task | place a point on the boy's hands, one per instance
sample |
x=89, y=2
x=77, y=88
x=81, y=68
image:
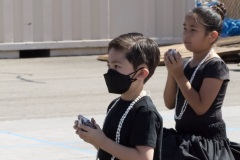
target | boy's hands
x=90, y=135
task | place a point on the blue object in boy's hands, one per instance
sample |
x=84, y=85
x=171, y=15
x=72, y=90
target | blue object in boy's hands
x=86, y=122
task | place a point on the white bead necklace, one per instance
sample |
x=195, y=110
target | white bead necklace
x=118, y=132
x=191, y=80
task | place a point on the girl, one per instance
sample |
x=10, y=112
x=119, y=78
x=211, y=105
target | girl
x=196, y=89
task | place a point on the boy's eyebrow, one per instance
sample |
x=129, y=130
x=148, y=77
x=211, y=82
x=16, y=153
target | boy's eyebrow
x=115, y=61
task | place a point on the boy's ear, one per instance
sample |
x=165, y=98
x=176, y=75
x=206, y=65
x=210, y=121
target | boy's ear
x=143, y=73
x=213, y=36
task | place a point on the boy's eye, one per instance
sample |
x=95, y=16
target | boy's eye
x=112, y=66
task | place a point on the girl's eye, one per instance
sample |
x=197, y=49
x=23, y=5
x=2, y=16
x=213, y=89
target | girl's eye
x=193, y=30
x=184, y=29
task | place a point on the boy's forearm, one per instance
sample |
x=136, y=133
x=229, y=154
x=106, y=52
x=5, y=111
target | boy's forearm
x=122, y=152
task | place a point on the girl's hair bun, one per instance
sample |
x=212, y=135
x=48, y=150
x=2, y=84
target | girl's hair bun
x=220, y=9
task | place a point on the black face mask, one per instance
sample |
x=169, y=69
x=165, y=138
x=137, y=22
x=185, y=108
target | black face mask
x=118, y=83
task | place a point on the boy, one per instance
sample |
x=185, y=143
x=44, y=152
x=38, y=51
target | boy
x=133, y=127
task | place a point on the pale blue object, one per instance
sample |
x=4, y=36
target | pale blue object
x=231, y=27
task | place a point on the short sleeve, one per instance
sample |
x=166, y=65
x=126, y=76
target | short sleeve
x=145, y=128
x=217, y=69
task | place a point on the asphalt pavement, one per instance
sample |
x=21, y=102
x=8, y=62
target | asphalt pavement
x=41, y=98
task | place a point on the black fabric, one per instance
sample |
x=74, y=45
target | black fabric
x=215, y=131
x=214, y=68
x=201, y=137
x=191, y=147
x=142, y=126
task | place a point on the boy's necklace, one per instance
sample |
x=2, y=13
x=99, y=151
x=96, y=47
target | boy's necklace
x=183, y=108
x=118, y=134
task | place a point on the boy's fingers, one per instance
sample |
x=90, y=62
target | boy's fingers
x=76, y=122
x=77, y=132
x=83, y=127
x=75, y=127
x=97, y=126
x=93, y=121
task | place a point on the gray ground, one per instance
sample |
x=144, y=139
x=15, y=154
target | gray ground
x=41, y=97
x=64, y=86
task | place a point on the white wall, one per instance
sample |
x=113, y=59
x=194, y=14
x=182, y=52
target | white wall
x=71, y=25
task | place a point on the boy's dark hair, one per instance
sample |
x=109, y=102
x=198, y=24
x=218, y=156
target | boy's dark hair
x=139, y=50
x=212, y=17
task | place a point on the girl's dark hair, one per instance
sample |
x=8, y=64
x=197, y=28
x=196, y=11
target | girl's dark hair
x=139, y=50
x=211, y=17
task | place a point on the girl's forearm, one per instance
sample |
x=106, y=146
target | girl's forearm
x=169, y=94
x=190, y=94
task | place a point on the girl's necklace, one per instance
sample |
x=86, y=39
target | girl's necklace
x=183, y=108
x=118, y=132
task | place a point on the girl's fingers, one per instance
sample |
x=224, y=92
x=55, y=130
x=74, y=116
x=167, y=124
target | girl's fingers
x=172, y=59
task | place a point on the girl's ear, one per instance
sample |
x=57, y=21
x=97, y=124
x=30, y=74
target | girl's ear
x=213, y=36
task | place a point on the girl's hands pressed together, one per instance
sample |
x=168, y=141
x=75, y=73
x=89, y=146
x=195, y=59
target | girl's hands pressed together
x=174, y=63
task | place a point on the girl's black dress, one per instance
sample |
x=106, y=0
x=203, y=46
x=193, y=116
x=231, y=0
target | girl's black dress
x=142, y=126
x=201, y=137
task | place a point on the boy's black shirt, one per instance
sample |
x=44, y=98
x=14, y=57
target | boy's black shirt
x=142, y=126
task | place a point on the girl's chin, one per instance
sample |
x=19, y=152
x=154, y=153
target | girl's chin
x=187, y=46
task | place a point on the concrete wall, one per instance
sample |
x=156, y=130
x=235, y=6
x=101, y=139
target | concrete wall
x=74, y=27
